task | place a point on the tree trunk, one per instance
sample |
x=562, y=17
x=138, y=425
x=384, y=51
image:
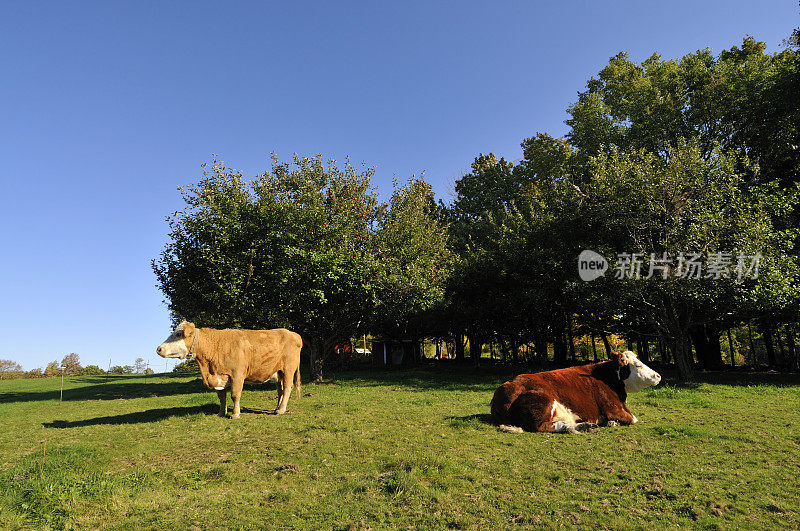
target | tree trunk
x=732, y=354
x=559, y=348
x=663, y=352
x=681, y=351
x=459, y=347
x=513, y=342
x=606, y=344
x=316, y=358
x=570, y=338
x=644, y=350
x=475, y=348
x=771, y=360
x=706, y=343
x=700, y=341
x=594, y=348
x=540, y=345
x=752, y=348
x=782, y=358
x=791, y=347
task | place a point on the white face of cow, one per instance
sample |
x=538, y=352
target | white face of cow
x=178, y=343
x=641, y=376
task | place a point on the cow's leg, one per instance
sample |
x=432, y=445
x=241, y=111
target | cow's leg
x=223, y=402
x=279, y=385
x=237, y=384
x=620, y=415
x=286, y=379
x=533, y=411
x=541, y=412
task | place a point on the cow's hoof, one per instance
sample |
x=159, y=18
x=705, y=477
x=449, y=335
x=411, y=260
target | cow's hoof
x=612, y=423
x=221, y=414
x=279, y=412
x=235, y=416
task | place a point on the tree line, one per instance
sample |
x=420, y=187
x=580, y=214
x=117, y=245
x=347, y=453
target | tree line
x=70, y=366
x=682, y=175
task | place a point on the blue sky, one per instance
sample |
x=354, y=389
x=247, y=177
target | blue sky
x=108, y=106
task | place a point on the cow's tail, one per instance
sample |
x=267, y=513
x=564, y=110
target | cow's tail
x=297, y=381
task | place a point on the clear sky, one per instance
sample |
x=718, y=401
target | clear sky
x=106, y=107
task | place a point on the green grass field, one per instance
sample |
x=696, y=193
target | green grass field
x=410, y=449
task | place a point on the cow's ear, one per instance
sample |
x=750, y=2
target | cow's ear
x=188, y=329
x=618, y=357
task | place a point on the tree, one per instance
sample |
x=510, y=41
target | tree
x=71, y=364
x=684, y=202
x=478, y=282
x=52, y=369
x=414, y=262
x=92, y=370
x=139, y=366
x=187, y=367
x=34, y=373
x=516, y=248
x=9, y=369
x=121, y=369
x=301, y=246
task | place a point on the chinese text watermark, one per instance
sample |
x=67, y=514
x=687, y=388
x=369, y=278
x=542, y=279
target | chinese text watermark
x=592, y=265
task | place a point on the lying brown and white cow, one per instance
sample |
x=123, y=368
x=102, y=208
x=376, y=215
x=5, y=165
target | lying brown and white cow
x=237, y=356
x=572, y=399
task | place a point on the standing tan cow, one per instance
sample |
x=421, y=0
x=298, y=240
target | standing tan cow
x=237, y=356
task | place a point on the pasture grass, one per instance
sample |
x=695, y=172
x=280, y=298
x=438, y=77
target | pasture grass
x=406, y=448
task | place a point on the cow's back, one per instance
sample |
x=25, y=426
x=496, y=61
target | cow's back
x=573, y=387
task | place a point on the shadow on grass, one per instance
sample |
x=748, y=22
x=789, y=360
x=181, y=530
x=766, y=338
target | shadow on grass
x=138, y=417
x=153, y=415
x=110, y=388
x=454, y=377
x=426, y=378
x=432, y=376
x=478, y=418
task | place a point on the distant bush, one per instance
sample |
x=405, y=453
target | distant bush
x=149, y=371
x=187, y=367
x=121, y=369
x=52, y=369
x=91, y=370
x=10, y=369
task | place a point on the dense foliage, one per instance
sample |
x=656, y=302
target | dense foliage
x=697, y=155
x=306, y=245
x=663, y=159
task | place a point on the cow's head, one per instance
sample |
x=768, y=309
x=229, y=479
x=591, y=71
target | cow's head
x=179, y=342
x=635, y=374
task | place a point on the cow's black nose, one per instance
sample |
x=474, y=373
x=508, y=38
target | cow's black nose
x=158, y=351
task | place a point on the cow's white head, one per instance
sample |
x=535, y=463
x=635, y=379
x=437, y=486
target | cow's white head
x=179, y=342
x=635, y=374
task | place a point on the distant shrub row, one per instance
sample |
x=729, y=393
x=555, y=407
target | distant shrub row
x=69, y=366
